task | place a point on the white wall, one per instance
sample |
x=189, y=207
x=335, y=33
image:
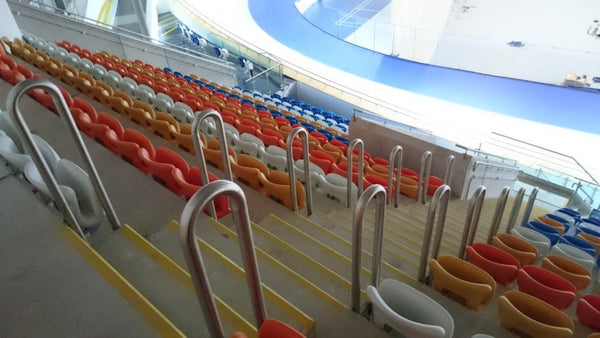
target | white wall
x=9, y=26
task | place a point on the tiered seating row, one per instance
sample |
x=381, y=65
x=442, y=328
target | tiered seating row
x=165, y=166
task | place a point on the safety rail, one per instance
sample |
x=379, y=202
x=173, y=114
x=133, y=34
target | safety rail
x=449, y=172
x=14, y=96
x=292, y=173
x=493, y=165
x=376, y=192
x=529, y=206
x=198, y=118
x=478, y=152
x=193, y=257
x=514, y=211
x=498, y=212
x=361, y=158
x=395, y=163
x=471, y=220
x=440, y=200
x=424, y=171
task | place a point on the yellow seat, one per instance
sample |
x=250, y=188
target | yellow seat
x=67, y=74
x=529, y=315
x=183, y=139
x=84, y=83
x=277, y=186
x=52, y=66
x=164, y=125
x=212, y=153
x=462, y=281
x=523, y=251
x=247, y=169
x=101, y=92
x=119, y=102
x=141, y=113
x=553, y=223
x=569, y=270
x=593, y=240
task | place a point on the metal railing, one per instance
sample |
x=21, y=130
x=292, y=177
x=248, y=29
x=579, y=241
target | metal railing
x=424, y=171
x=292, y=173
x=471, y=220
x=449, y=172
x=191, y=251
x=529, y=206
x=440, y=200
x=198, y=118
x=14, y=97
x=395, y=164
x=493, y=165
x=376, y=192
x=514, y=211
x=361, y=158
x=479, y=153
x=498, y=212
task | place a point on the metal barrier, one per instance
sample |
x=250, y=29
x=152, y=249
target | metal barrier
x=514, y=212
x=529, y=206
x=424, y=172
x=191, y=251
x=471, y=220
x=395, y=164
x=498, y=212
x=449, y=170
x=440, y=199
x=198, y=118
x=361, y=157
x=14, y=96
x=376, y=192
x=292, y=173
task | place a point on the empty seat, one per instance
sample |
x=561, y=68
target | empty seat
x=165, y=126
x=500, y=265
x=547, y=286
x=523, y=251
x=578, y=275
x=12, y=154
x=532, y=316
x=136, y=149
x=277, y=186
x=107, y=131
x=541, y=242
x=274, y=157
x=249, y=144
x=408, y=311
x=315, y=172
x=588, y=311
x=335, y=187
x=246, y=170
x=575, y=254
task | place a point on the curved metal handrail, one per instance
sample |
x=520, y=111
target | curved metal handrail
x=498, y=212
x=361, y=157
x=424, y=171
x=395, y=163
x=449, y=170
x=514, y=211
x=14, y=96
x=191, y=251
x=292, y=173
x=471, y=220
x=377, y=192
x=198, y=118
x=529, y=206
x=440, y=199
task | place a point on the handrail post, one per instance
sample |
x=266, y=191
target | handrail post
x=292, y=173
x=14, y=96
x=472, y=220
x=395, y=163
x=378, y=193
x=191, y=251
x=529, y=206
x=424, y=172
x=514, y=211
x=361, y=157
x=497, y=218
x=440, y=199
x=449, y=173
x=198, y=118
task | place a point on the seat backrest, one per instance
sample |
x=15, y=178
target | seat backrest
x=9, y=129
x=138, y=138
x=12, y=154
x=48, y=153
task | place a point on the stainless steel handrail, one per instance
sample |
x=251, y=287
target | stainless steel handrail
x=292, y=173
x=472, y=220
x=191, y=251
x=529, y=206
x=440, y=199
x=14, y=96
x=198, y=118
x=477, y=152
x=361, y=158
x=395, y=164
x=424, y=171
x=449, y=173
x=498, y=212
x=377, y=192
x=514, y=211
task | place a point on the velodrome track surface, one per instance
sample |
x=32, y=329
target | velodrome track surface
x=555, y=105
